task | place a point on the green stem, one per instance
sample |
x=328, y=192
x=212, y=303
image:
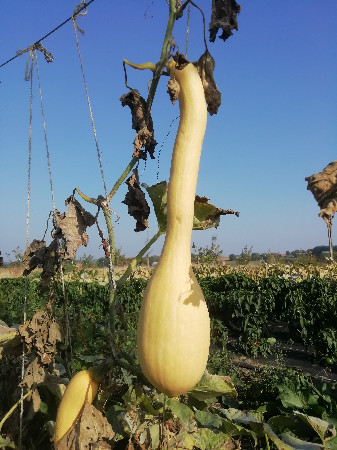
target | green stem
x=164, y=54
x=13, y=408
x=137, y=258
x=122, y=178
x=112, y=283
x=85, y=197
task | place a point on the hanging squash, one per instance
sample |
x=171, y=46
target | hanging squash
x=174, y=326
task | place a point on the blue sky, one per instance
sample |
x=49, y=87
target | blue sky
x=277, y=123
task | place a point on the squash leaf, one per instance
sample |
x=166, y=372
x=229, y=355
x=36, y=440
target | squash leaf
x=325, y=430
x=206, y=439
x=206, y=215
x=294, y=443
x=6, y=444
x=212, y=386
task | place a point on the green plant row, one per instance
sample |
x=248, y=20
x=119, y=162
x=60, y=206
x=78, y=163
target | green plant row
x=245, y=307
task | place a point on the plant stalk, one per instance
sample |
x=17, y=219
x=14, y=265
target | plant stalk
x=137, y=258
x=13, y=408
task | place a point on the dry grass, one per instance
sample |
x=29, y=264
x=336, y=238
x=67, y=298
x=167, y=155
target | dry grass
x=99, y=275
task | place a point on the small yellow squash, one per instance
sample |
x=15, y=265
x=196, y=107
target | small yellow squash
x=81, y=389
x=174, y=328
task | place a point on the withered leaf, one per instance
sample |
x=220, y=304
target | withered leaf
x=142, y=123
x=34, y=256
x=38, y=254
x=173, y=90
x=323, y=186
x=89, y=431
x=205, y=66
x=135, y=199
x=35, y=374
x=72, y=227
x=41, y=334
x=36, y=399
x=224, y=16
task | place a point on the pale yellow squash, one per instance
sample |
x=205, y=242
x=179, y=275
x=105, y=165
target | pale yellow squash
x=82, y=388
x=174, y=327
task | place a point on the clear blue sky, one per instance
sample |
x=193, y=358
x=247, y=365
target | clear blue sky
x=277, y=123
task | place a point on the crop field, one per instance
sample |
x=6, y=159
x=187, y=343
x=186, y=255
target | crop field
x=255, y=312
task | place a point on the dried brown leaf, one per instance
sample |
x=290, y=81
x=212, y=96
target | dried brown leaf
x=224, y=16
x=72, y=227
x=89, y=432
x=35, y=374
x=323, y=186
x=41, y=334
x=173, y=89
x=142, y=123
x=34, y=256
x=37, y=254
x=36, y=399
x=135, y=199
x=205, y=66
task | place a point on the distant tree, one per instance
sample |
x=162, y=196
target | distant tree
x=233, y=257
x=102, y=262
x=246, y=255
x=207, y=255
x=18, y=255
x=256, y=256
x=87, y=261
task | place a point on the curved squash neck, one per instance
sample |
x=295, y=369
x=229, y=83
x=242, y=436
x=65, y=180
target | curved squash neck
x=185, y=163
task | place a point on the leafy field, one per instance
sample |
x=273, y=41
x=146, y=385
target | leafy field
x=270, y=407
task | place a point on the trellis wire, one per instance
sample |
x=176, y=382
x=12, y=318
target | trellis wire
x=27, y=242
x=90, y=110
x=85, y=5
x=67, y=336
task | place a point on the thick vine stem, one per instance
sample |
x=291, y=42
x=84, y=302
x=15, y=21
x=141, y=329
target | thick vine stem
x=137, y=258
x=164, y=54
x=14, y=407
x=122, y=178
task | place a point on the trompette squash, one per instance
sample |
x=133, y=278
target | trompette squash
x=82, y=388
x=174, y=327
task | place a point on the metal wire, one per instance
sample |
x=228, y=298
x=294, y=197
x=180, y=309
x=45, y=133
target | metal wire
x=90, y=110
x=50, y=32
x=27, y=242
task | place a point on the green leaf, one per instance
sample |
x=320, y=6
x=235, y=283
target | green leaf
x=158, y=195
x=207, y=439
x=291, y=399
x=273, y=437
x=154, y=431
x=281, y=423
x=179, y=410
x=213, y=386
x=206, y=215
x=298, y=444
x=208, y=419
x=6, y=444
x=325, y=430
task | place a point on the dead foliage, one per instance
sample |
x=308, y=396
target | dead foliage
x=224, y=17
x=135, y=199
x=323, y=186
x=89, y=432
x=205, y=66
x=142, y=123
x=70, y=229
x=41, y=335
